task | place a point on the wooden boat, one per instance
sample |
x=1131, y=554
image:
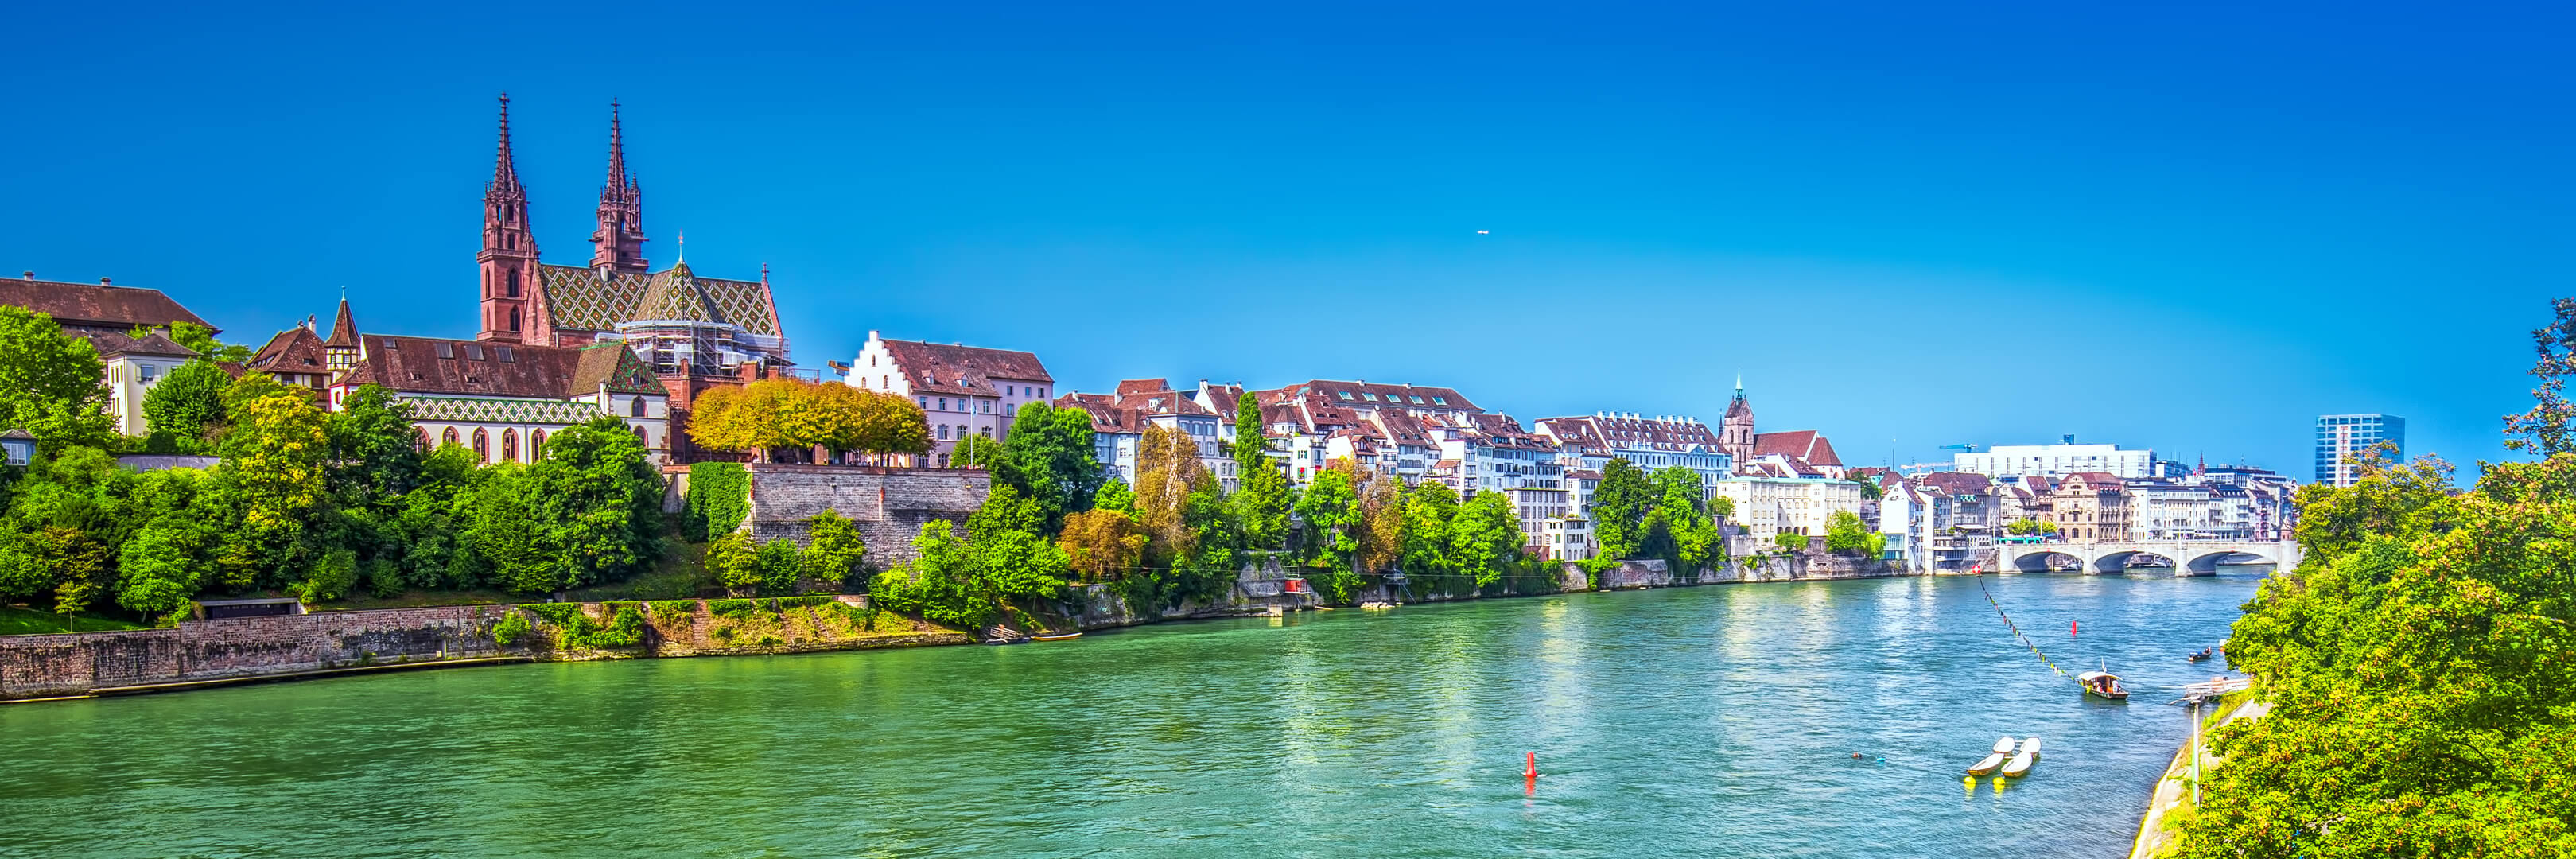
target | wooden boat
x=2102, y=684
x=2003, y=752
x=1373, y=604
x=2022, y=761
x=2196, y=657
x=1059, y=636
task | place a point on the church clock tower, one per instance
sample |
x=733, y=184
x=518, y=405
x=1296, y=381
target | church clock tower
x=1735, y=432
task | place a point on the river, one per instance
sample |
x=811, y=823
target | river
x=1710, y=721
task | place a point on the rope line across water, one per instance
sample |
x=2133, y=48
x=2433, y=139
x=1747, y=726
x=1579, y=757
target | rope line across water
x=2016, y=630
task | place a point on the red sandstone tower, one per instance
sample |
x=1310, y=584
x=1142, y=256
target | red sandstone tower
x=620, y=238
x=509, y=255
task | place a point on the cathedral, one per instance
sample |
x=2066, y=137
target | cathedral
x=694, y=332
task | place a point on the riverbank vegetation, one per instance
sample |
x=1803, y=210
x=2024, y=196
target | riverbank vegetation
x=2421, y=662
x=307, y=502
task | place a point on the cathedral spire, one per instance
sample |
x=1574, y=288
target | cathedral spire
x=509, y=255
x=619, y=241
x=505, y=169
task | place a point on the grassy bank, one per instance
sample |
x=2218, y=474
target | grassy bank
x=15, y=620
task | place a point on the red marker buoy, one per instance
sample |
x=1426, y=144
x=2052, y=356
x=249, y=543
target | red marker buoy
x=2070, y=627
x=1532, y=771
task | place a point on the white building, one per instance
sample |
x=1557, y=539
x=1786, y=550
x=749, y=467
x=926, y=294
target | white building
x=133, y=368
x=106, y=313
x=1653, y=444
x=1776, y=502
x=2055, y=460
x=501, y=400
x=1118, y=423
x=962, y=390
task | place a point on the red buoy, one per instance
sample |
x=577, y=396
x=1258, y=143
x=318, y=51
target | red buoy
x=2070, y=627
x=1532, y=771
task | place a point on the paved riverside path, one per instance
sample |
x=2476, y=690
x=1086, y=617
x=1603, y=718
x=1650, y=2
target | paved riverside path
x=2171, y=790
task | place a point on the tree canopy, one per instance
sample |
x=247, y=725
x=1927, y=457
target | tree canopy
x=51, y=383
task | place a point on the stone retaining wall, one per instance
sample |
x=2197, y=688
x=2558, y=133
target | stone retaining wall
x=888, y=504
x=37, y=666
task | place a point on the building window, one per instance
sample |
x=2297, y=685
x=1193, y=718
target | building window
x=510, y=445
x=482, y=446
x=448, y=437
x=943, y=432
x=421, y=438
x=645, y=437
x=514, y=319
x=635, y=407
x=514, y=284
x=536, y=443
x=987, y=432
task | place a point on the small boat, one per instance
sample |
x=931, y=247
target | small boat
x=2003, y=752
x=1374, y=604
x=1058, y=636
x=2197, y=657
x=2102, y=684
x=2022, y=761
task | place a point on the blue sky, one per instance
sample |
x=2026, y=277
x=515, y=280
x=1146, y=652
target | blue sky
x=2186, y=227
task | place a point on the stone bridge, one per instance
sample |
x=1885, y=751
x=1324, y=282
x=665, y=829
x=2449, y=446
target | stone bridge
x=2188, y=557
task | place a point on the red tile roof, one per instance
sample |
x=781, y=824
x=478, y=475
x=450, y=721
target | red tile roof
x=294, y=350
x=95, y=305
x=431, y=365
x=1143, y=386
x=949, y=368
x=1808, y=445
x=154, y=343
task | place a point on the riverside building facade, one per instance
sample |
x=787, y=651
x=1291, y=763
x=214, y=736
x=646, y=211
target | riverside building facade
x=2341, y=437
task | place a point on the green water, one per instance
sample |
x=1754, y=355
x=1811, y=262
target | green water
x=1714, y=721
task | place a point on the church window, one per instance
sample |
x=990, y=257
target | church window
x=420, y=441
x=514, y=319
x=447, y=437
x=482, y=446
x=510, y=445
x=536, y=443
x=635, y=408
x=514, y=283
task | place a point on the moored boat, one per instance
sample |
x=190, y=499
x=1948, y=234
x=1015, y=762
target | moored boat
x=1059, y=636
x=2102, y=684
x=2003, y=752
x=2021, y=762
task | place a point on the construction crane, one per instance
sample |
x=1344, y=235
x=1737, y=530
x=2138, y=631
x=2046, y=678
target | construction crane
x=1966, y=447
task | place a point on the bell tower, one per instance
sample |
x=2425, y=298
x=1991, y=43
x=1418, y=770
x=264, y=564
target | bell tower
x=619, y=241
x=509, y=255
x=1735, y=432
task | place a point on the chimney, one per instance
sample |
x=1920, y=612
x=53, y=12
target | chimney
x=103, y=281
x=26, y=275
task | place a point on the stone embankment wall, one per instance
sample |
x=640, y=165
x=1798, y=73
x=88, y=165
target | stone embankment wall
x=764, y=626
x=889, y=504
x=38, y=666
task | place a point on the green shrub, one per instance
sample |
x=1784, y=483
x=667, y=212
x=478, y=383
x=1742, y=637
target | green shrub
x=674, y=611
x=625, y=629
x=512, y=626
x=719, y=499
x=558, y=613
x=785, y=603
x=724, y=633
x=738, y=609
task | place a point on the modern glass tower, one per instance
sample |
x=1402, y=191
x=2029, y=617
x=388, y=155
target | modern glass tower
x=2340, y=436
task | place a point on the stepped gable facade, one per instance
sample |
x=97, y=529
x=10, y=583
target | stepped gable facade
x=962, y=390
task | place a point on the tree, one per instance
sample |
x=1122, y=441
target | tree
x=1844, y=533
x=374, y=454
x=1330, y=508
x=1048, y=458
x=188, y=404
x=1678, y=528
x=51, y=384
x=1382, y=522
x=82, y=567
x=1251, y=446
x=965, y=583
x=1619, y=507
x=1485, y=538
x=202, y=339
x=599, y=499
x=1168, y=469
x=975, y=451
x=1427, y=555
x=834, y=549
x=1114, y=495
x=891, y=425
x=2027, y=526
x=1260, y=507
x=2544, y=429
x=735, y=562
x=1102, y=544
x=778, y=563
x=275, y=458
x=1792, y=542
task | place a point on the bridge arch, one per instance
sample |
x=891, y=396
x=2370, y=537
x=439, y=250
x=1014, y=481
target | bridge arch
x=2116, y=562
x=2035, y=558
x=2206, y=563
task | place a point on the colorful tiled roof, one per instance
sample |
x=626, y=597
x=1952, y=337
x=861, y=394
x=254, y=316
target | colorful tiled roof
x=581, y=299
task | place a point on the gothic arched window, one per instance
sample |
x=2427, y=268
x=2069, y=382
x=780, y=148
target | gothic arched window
x=635, y=408
x=642, y=436
x=510, y=445
x=514, y=319
x=514, y=283
x=421, y=441
x=482, y=445
x=536, y=443
x=447, y=437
